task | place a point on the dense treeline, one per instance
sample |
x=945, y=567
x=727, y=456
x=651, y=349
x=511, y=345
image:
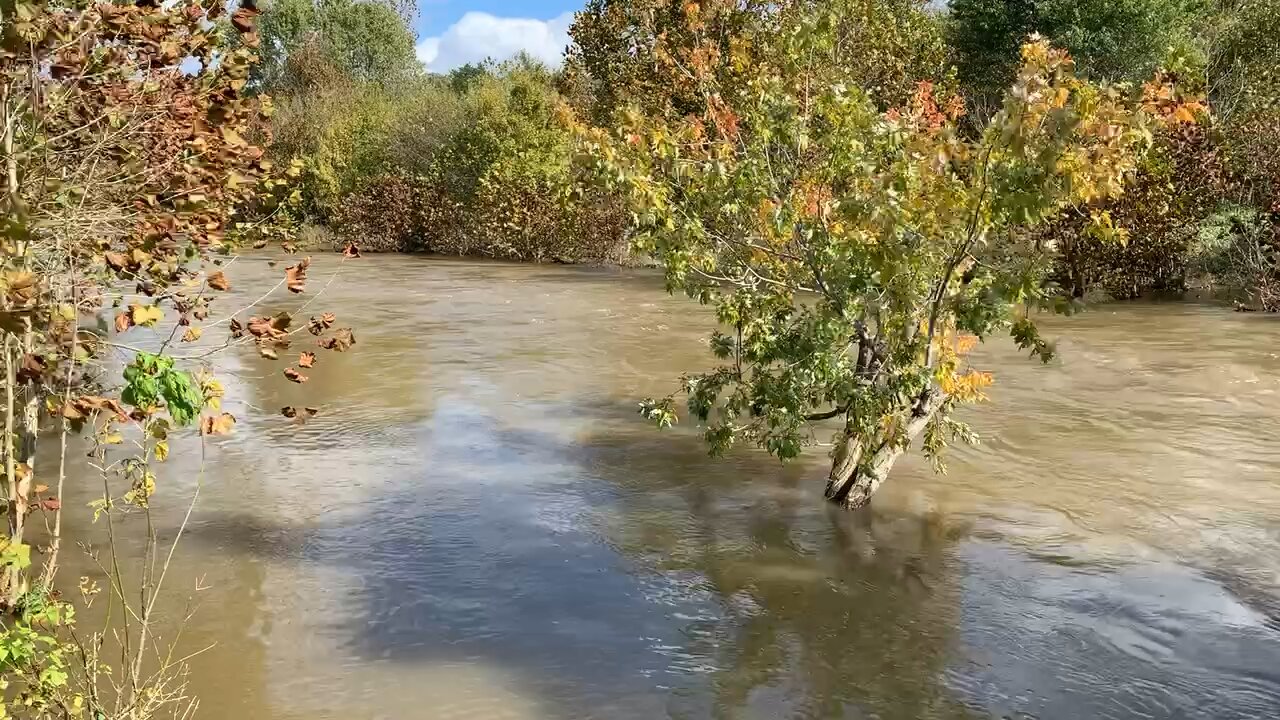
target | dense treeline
x=479, y=161
x=475, y=162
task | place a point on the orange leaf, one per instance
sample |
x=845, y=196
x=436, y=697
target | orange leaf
x=218, y=281
x=296, y=276
x=123, y=322
x=116, y=261
x=217, y=425
x=307, y=360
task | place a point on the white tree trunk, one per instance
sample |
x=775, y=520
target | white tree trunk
x=854, y=477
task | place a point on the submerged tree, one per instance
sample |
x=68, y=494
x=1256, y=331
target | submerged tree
x=854, y=257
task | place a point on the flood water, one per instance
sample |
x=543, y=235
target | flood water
x=478, y=525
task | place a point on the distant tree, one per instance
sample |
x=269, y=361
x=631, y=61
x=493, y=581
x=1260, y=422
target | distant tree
x=367, y=40
x=464, y=78
x=1110, y=40
x=631, y=52
x=854, y=256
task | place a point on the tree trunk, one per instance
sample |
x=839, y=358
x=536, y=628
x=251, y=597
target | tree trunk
x=855, y=477
x=853, y=481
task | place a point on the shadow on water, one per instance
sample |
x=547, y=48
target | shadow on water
x=618, y=573
x=613, y=572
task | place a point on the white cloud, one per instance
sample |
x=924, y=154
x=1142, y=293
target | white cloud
x=477, y=36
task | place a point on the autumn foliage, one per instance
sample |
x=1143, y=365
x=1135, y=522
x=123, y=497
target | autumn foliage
x=128, y=163
x=854, y=255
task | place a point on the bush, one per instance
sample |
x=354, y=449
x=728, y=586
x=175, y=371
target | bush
x=476, y=164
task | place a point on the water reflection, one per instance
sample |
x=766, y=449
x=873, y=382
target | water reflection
x=818, y=613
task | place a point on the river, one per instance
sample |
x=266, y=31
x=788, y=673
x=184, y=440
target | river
x=478, y=525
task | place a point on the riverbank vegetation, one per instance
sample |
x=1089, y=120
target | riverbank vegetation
x=861, y=189
x=477, y=161
x=128, y=175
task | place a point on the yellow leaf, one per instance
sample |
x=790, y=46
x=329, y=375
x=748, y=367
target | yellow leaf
x=192, y=334
x=147, y=315
x=232, y=137
x=113, y=439
x=219, y=425
x=162, y=451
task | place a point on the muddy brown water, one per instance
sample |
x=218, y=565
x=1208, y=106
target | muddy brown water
x=477, y=525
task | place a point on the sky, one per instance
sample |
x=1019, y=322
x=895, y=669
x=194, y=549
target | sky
x=455, y=32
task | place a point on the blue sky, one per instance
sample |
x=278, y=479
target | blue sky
x=455, y=32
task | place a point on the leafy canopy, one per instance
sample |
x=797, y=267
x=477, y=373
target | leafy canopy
x=854, y=256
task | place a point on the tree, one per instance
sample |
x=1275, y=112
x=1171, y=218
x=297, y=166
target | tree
x=854, y=257
x=1111, y=40
x=365, y=40
x=632, y=53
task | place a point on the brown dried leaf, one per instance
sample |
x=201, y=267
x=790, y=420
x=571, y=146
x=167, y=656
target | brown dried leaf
x=21, y=287
x=218, y=281
x=237, y=330
x=300, y=415
x=217, y=425
x=123, y=322
x=296, y=275
x=307, y=360
x=51, y=504
x=295, y=376
x=116, y=261
x=321, y=323
x=40, y=489
x=243, y=18
x=341, y=341
x=259, y=243
x=85, y=405
x=33, y=367
x=274, y=327
x=192, y=334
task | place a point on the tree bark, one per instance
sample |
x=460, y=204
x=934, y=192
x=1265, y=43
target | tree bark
x=856, y=476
